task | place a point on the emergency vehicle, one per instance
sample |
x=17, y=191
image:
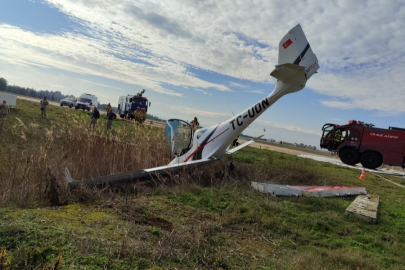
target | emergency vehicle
x=127, y=105
x=360, y=142
x=86, y=102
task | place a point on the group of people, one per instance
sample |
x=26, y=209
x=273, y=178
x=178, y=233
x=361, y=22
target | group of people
x=5, y=110
x=96, y=115
x=140, y=115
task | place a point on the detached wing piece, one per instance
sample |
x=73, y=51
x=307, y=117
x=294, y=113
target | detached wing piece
x=233, y=150
x=131, y=176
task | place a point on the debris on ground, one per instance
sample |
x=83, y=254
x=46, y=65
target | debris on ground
x=308, y=191
x=364, y=207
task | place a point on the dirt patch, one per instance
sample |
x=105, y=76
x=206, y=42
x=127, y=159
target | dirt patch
x=155, y=222
x=136, y=214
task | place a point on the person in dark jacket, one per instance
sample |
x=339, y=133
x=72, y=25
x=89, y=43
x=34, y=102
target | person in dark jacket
x=94, y=117
x=110, y=117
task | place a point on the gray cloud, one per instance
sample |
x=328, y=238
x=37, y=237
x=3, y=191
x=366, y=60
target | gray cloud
x=156, y=20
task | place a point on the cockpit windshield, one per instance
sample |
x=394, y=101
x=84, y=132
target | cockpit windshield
x=178, y=135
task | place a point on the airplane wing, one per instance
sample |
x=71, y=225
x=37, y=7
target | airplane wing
x=233, y=150
x=133, y=175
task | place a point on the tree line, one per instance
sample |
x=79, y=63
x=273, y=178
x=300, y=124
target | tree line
x=30, y=92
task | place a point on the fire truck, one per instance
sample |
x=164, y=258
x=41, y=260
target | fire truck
x=127, y=105
x=360, y=142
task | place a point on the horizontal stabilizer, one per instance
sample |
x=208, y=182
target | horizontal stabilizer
x=233, y=150
x=285, y=71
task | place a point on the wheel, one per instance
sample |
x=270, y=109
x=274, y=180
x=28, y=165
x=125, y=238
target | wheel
x=371, y=160
x=75, y=108
x=83, y=109
x=70, y=106
x=61, y=105
x=349, y=156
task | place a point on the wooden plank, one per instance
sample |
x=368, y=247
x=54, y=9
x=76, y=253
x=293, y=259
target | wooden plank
x=364, y=207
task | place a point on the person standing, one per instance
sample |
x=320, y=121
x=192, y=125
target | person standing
x=138, y=115
x=109, y=108
x=94, y=117
x=44, y=103
x=110, y=117
x=143, y=115
x=195, y=124
x=4, y=111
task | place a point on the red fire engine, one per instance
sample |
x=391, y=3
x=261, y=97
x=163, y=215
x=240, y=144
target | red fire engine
x=364, y=143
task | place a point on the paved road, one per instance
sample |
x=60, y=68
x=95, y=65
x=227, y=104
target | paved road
x=285, y=150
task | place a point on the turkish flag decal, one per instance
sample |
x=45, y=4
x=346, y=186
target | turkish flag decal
x=287, y=43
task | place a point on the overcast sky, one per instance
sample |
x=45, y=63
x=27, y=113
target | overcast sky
x=211, y=59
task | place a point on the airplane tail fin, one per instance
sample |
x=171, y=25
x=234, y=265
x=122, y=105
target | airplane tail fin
x=295, y=49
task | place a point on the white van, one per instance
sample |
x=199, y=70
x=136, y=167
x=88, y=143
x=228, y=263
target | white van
x=86, y=102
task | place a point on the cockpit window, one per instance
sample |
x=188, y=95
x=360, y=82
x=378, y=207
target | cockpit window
x=178, y=136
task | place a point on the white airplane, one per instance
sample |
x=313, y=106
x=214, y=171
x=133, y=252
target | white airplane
x=296, y=64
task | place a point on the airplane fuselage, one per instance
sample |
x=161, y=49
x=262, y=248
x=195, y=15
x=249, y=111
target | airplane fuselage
x=217, y=139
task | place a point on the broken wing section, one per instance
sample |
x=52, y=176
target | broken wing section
x=233, y=150
x=132, y=176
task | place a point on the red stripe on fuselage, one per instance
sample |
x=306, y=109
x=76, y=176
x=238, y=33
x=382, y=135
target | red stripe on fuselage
x=202, y=146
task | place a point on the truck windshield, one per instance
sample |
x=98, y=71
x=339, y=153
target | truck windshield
x=85, y=100
x=139, y=101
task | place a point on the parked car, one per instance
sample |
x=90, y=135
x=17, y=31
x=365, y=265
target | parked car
x=68, y=102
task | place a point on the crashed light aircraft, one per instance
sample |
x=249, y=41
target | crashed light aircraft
x=296, y=64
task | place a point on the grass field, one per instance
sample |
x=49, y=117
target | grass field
x=204, y=219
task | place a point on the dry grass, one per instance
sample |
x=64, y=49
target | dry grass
x=32, y=172
x=177, y=221
x=33, y=175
